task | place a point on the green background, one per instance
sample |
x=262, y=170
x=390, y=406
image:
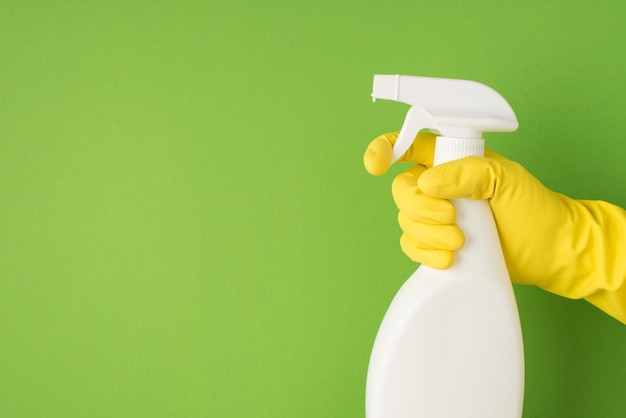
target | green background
x=186, y=227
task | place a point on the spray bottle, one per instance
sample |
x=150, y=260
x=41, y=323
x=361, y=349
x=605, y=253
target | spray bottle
x=450, y=344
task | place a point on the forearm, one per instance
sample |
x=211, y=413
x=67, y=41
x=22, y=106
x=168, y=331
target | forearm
x=607, y=283
x=592, y=262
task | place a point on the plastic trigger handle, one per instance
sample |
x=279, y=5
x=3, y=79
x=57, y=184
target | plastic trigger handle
x=416, y=120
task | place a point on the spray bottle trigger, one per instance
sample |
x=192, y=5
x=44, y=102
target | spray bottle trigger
x=416, y=119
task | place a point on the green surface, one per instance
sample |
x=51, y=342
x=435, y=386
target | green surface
x=186, y=228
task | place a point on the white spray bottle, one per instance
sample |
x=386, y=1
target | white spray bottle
x=450, y=344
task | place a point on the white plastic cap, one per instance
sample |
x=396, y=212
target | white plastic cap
x=450, y=149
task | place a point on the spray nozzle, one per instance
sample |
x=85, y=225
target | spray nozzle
x=453, y=108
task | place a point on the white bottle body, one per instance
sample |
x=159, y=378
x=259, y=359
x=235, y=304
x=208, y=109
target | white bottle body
x=450, y=344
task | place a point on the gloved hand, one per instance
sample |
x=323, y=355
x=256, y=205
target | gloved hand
x=573, y=248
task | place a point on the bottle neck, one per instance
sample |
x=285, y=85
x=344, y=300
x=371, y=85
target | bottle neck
x=450, y=149
x=474, y=217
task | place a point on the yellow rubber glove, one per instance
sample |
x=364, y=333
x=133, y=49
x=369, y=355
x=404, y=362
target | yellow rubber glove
x=573, y=248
